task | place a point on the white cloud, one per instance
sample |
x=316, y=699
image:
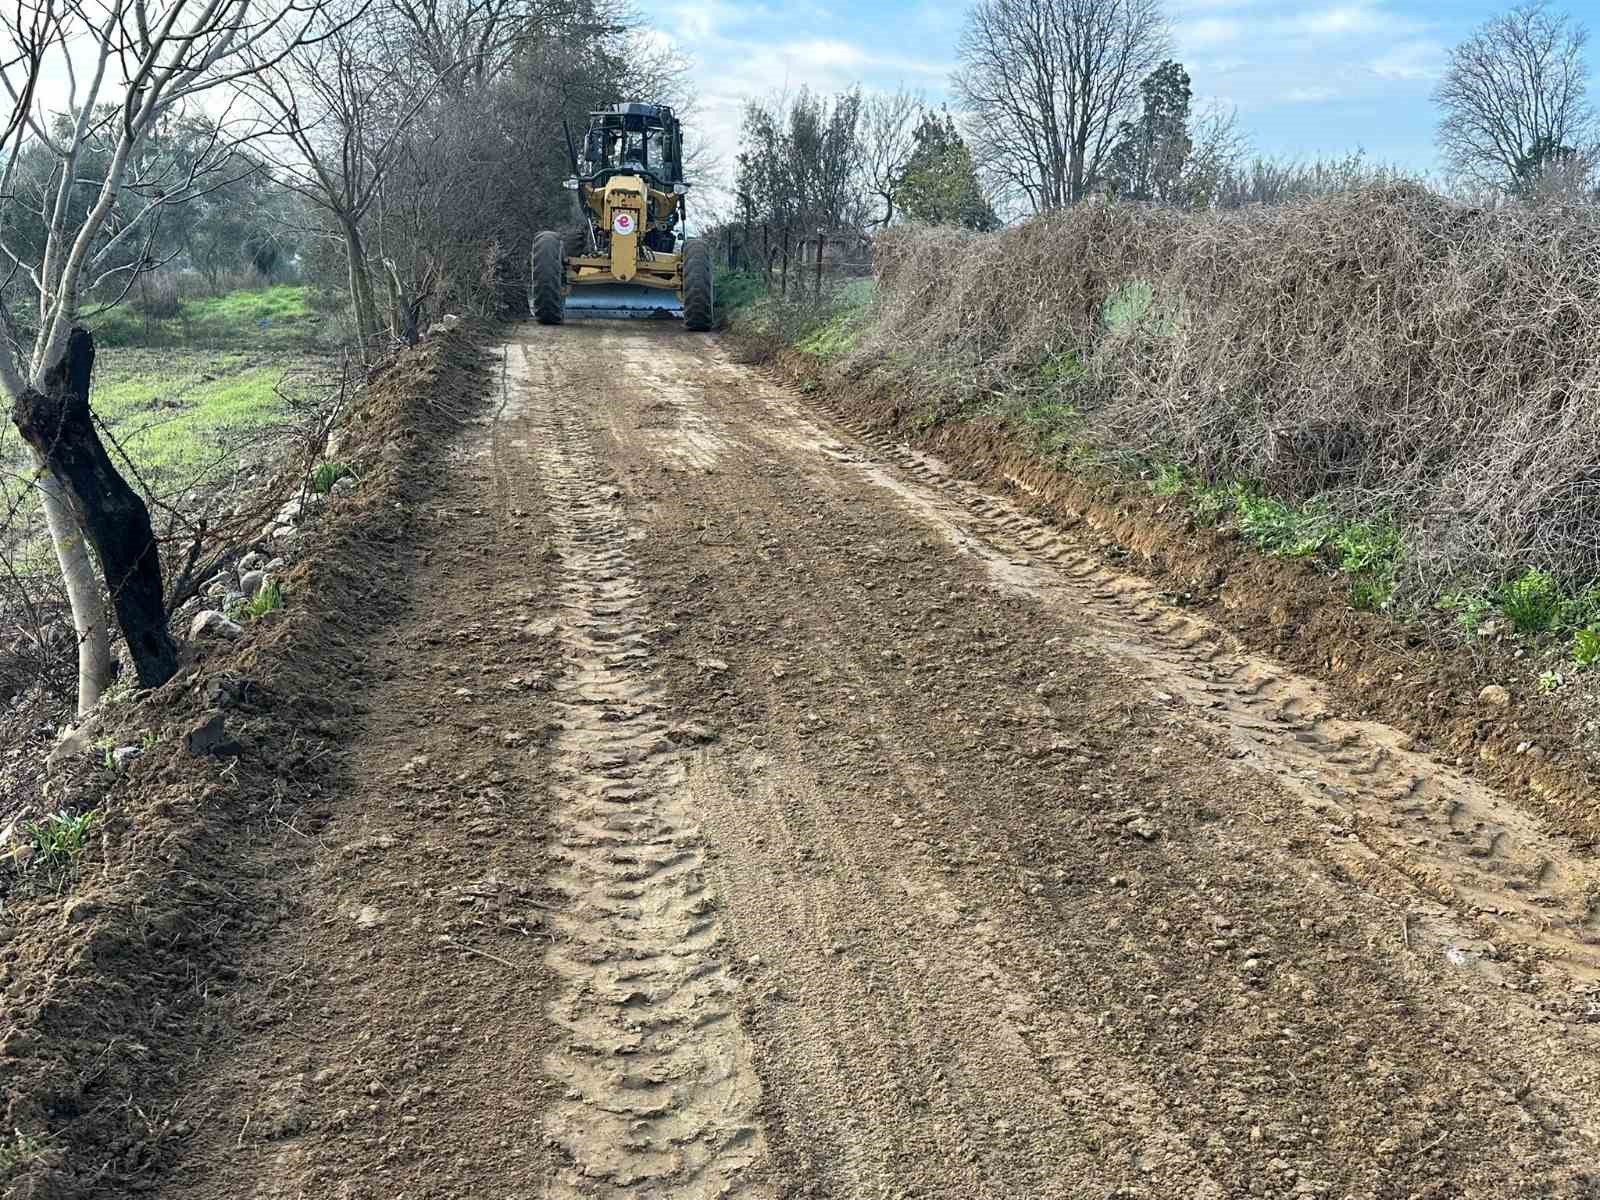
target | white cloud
x=738, y=60
x=1208, y=33
x=1409, y=62
x=1350, y=20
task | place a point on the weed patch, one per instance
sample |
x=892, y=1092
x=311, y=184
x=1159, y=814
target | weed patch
x=326, y=475
x=59, y=839
x=18, y=1150
x=1586, y=647
x=1532, y=602
x=268, y=599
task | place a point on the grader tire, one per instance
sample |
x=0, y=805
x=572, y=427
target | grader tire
x=549, y=278
x=698, y=301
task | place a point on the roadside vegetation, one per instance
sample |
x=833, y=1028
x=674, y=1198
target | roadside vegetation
x=1449, y=487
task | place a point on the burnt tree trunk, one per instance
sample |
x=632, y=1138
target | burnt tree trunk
x=57, y=423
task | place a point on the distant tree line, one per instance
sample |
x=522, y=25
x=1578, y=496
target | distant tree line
x=1061, y=100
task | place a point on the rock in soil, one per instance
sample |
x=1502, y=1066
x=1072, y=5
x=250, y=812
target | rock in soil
x=213, y=624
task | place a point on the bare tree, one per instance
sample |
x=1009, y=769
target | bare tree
x=1513, y=100
x=343, y=104
x=1046, y=84
x=128, y=65
x=1215, y=149
x=888, y=137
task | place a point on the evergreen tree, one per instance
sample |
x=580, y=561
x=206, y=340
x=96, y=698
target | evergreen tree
x=940, y=184
x=1147, y=162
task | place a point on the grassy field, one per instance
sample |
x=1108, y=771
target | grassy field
x=280, y=317
x=194, y=401
x=185, y=415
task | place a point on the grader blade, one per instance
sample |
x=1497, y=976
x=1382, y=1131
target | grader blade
x=622, y=300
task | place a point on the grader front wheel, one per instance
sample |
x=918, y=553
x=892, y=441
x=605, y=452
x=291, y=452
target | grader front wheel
x=698, y=301
x=549, y=280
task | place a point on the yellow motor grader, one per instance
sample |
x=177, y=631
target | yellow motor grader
x=627, y=255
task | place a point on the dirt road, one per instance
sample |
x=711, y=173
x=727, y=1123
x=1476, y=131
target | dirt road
x=749, y=809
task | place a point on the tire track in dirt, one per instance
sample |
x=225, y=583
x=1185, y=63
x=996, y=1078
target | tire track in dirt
x=1211, y=1012
x=660, y=1093
x=1455, y=839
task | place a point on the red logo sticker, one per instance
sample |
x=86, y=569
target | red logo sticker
x=622, y=222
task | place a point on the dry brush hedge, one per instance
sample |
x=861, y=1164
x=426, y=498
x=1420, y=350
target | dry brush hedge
x=1387, y=352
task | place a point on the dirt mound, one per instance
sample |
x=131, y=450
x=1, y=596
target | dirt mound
x=112, y=983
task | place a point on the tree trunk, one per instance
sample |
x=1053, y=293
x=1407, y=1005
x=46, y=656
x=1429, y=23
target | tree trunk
x=83, y=592
x=57, y=424
x=361, y=296
x=402, y=308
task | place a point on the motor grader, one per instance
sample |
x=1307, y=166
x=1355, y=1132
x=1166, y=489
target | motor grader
x=626, y=254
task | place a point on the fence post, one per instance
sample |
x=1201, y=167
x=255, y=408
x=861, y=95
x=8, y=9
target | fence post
x=822, y=241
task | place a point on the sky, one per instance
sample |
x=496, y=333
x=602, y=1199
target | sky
x=1324, y=77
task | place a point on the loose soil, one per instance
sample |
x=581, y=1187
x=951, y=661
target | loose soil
x=718, y=798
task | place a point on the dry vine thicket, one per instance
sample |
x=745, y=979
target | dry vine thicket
x=1387, y=352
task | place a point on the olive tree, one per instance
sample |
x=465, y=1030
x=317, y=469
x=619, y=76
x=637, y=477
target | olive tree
x=127, y=66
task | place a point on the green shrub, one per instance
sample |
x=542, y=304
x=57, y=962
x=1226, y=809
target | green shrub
x=737, y=290
x=1128, y=305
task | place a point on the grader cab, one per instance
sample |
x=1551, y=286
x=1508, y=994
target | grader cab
x=626, y=254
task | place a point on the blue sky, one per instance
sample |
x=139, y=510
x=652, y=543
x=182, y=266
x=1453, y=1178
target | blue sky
x=1305, y=78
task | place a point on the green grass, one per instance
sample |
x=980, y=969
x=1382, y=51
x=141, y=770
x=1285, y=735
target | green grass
x=268, y=599
x=280, y=317
x=326, y=475
x=182, y=415
x=736, y=291
x=834, y=337
x=179, y=413
x=1052, y=424
x=18, y=1150
x=58, y=840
